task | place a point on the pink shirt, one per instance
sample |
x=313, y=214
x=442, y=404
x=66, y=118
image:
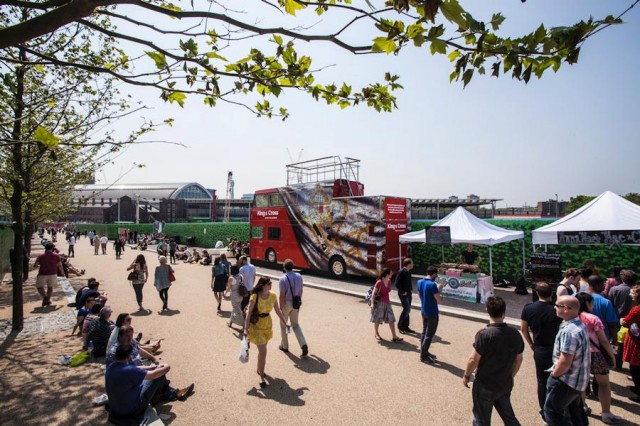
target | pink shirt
x=593, y=325
x=384, y=291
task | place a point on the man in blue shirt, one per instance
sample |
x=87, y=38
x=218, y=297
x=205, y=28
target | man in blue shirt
x=430, y=296
x=130, y=388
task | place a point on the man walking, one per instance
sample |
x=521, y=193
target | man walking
x=49, y=264
x=405, y=290
x=290, y=288
x=571, y=367
x=72, y=245
x=248, y=274
x=429, y=298
x=496, y=357
x=620, y=296
x=540, y=319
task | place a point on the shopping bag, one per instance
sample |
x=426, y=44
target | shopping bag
x=244, y=350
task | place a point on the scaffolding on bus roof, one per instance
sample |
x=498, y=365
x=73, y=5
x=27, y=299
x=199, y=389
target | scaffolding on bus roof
x=325, y=169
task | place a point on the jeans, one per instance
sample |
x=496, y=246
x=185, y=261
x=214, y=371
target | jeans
x=403, y=321
x=138, y=289
x=149, y=389
x=543, y=358
x=563, y=406
x=289, y=313
x=429, y=328
x=72, y=251
x=485, y=399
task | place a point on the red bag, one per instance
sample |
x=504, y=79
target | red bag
x=172, y=277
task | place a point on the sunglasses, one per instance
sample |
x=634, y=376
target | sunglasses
x=557, y=305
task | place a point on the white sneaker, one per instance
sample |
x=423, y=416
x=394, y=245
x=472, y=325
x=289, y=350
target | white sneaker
x=610, y=418
x=101, y=400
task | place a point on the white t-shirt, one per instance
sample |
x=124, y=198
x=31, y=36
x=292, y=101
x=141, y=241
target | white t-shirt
x=248, y=273
x=72, y=240
x=104, y=240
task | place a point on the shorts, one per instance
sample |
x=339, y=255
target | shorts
x=49, y=280
x=599, y=365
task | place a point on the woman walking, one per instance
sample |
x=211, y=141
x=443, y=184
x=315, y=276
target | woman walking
x=139, y=277
x=162, y=282
x=632, y=342
x=261, y=331
x=219, y=278
x=233, y=286
x=600, y=347
x=381, y=310
x=96, y=244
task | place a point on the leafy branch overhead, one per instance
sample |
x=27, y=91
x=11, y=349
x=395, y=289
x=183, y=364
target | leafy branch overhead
x=213, y=50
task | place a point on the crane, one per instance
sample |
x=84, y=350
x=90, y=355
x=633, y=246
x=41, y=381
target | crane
x=229, y=197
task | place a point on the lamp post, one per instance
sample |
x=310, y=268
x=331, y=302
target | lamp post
x=137, y=208
x=556, y=205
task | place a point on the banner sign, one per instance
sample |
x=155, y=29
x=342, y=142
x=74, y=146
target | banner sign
x=599, y=237
x=438, y=235
x=461, y=288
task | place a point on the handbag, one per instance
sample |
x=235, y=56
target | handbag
x=172, y=277
x=133, y=275
x=296, y=301
x=604, y=353
x=242, y=290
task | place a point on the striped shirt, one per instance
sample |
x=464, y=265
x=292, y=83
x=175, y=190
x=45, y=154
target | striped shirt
x=573, y=339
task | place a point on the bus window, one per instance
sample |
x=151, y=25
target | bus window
x=276, y=200
x=273, y=234
x=257, y=232
x=262, y=201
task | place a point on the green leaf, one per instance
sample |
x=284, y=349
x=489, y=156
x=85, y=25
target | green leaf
x=466, y=77
x=277, y=39
x=438, y=46
x=177, y=97
x=46, y=138
x=292, y=6
x=383, y=44
x=159, y=59
x=454, y=55
x=496, y=20
x=215, y=55
x=453, y=12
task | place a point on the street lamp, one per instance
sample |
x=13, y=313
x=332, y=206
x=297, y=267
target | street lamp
x=137, y=208
x=556, y=205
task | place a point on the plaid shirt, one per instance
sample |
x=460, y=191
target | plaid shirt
x=573, y=339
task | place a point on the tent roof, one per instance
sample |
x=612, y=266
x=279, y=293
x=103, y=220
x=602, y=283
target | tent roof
x=607, y=212
x=467, y=228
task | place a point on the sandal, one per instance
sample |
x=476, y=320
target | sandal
x=398, y=339
x=377, y=336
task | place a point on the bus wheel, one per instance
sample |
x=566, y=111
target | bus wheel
x=271, y=256
x=337, y=267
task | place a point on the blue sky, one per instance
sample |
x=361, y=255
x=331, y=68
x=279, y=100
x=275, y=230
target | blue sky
x=569, y=133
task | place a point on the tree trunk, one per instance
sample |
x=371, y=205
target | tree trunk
x=17, y=200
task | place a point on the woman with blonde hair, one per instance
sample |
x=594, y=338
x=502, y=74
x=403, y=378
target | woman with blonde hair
x=260, y=329
x=162, y=281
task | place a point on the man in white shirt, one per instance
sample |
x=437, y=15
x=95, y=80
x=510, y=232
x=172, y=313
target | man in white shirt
x=72, y=245
x=248, y=274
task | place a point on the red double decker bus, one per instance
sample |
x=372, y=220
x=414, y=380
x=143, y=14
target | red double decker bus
x=328, y=224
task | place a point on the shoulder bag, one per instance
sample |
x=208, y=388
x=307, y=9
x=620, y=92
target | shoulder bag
x=296, y=301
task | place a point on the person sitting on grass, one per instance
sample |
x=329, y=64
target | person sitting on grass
x=99, y=332
x=131, y=389
x=83, y=312
x=138, y=355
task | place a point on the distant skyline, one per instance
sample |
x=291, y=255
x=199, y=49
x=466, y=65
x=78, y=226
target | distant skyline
x=569, y=133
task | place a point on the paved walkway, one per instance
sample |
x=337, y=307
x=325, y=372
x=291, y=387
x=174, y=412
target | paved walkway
x=349, y=377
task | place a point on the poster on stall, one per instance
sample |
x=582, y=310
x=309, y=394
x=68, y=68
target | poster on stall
x=464, y=287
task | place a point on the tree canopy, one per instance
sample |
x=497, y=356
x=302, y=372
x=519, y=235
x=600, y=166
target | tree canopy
x=181, y=48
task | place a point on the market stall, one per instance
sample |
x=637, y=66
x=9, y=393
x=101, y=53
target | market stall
x=462, y=281
x=607, y=219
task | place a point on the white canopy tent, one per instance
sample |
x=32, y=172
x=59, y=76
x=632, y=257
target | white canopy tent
x=606, y=212
x=469, y=229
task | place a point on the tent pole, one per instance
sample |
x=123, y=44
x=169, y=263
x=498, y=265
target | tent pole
x=399, y=255
x=523, y=262
x=490, y=263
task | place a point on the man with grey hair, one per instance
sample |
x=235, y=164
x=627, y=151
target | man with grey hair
x=571, y=367
x=100, y=331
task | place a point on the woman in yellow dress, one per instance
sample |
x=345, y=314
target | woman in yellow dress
x=261, y=332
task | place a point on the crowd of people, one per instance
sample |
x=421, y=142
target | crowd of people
x=577, y=332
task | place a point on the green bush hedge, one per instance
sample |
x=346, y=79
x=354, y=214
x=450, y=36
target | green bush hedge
x=206, y=234
x=507, y=257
